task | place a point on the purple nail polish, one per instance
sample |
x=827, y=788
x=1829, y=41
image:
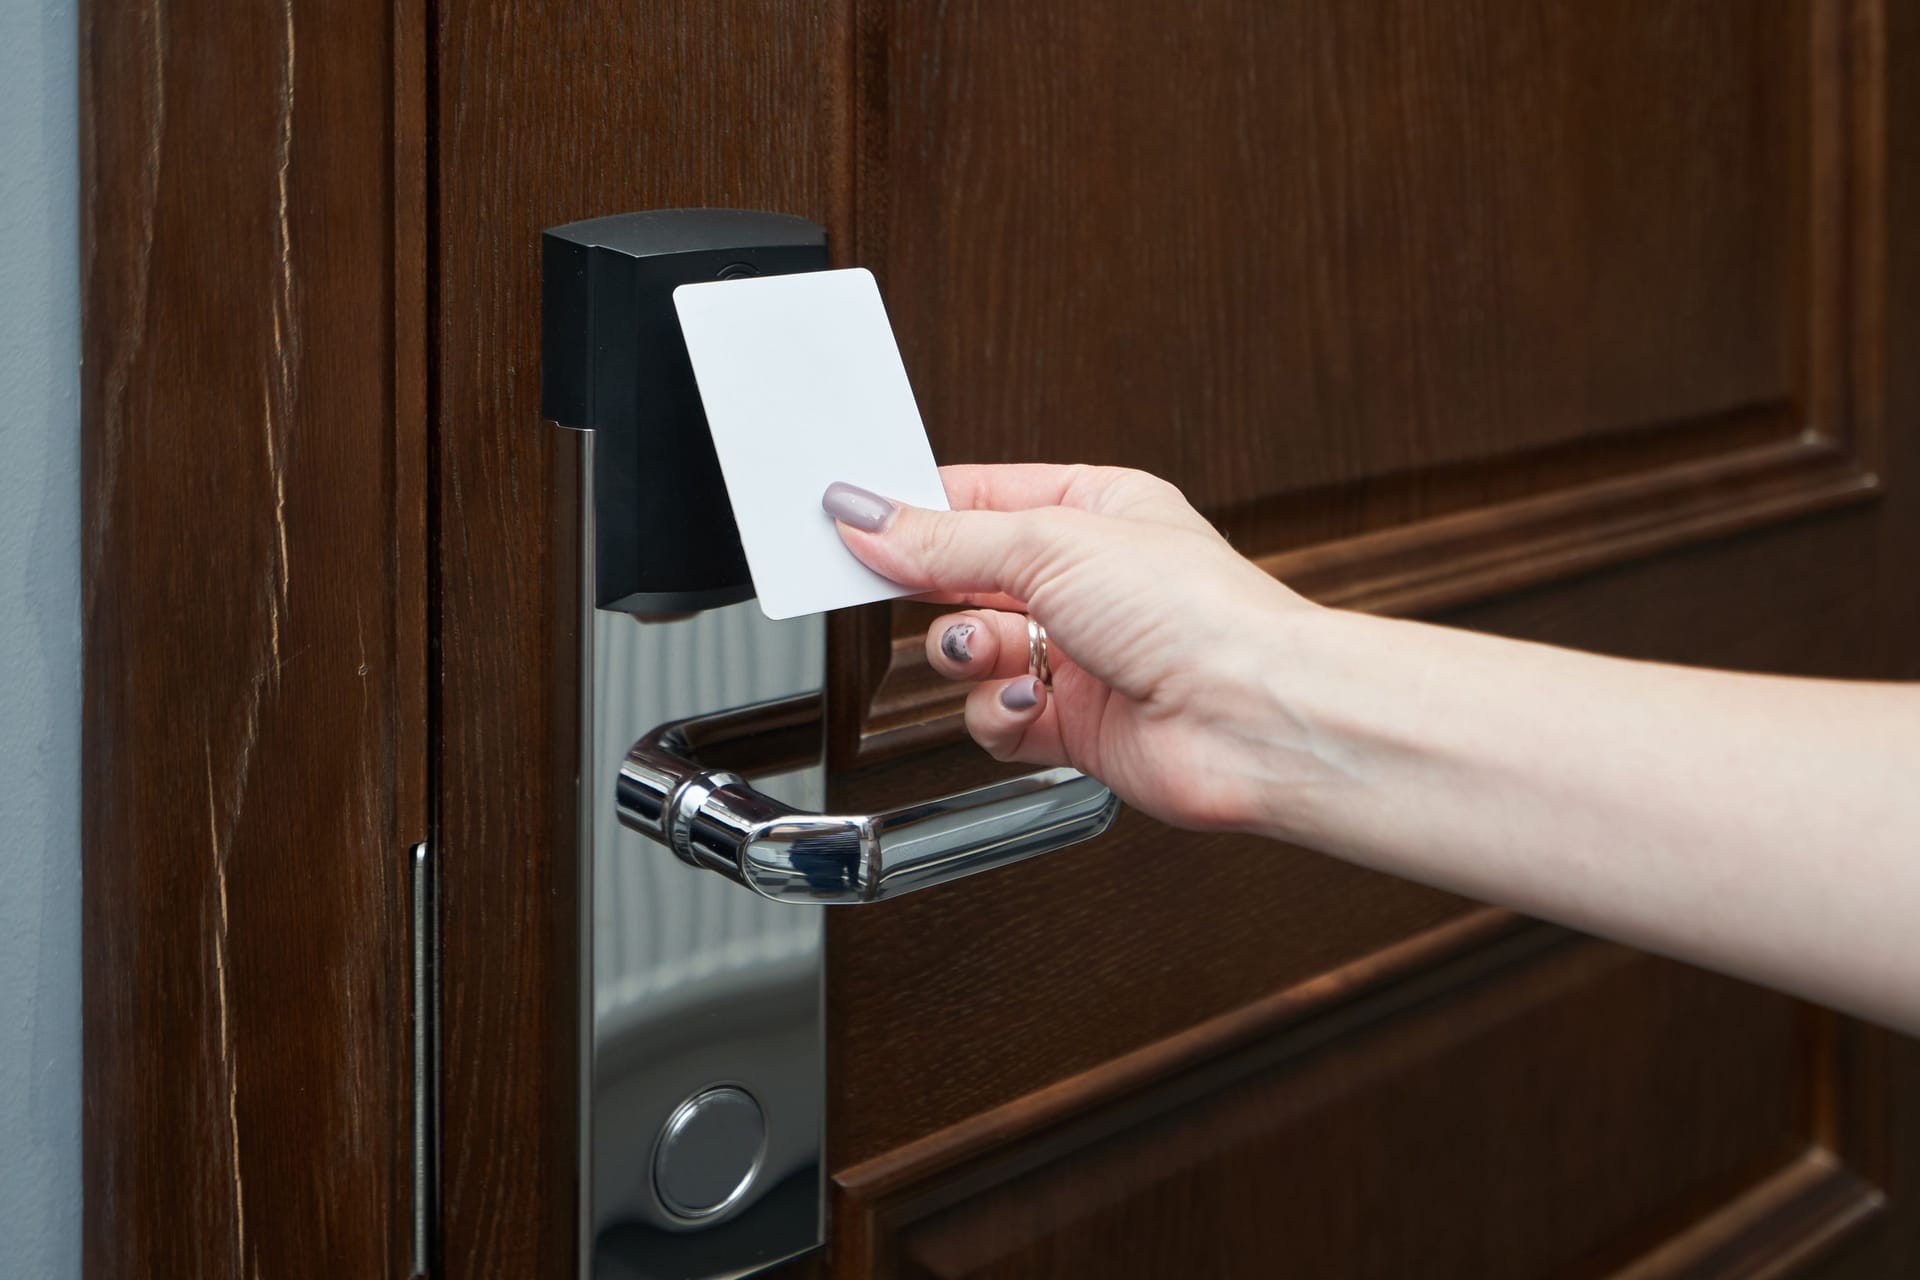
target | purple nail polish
x=1021, y=694
x=861, y=508
x=956, y=641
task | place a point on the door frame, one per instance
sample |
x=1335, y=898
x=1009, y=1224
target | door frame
x=256, y=493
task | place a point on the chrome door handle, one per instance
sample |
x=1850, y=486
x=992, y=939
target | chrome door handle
x=712, y=818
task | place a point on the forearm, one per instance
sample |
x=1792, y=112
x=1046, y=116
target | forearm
x=1762, y=826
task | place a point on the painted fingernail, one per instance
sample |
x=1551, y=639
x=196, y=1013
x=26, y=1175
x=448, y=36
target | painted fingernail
x=1021, y=694
x=861, y=508
x=957, y=641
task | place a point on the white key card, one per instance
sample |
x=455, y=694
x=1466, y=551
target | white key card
x=803, y=386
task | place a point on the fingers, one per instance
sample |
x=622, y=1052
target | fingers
x=965, y=553
x=1015, y=720
x=1011, y=487
x=996, y=544
x=1113, y=491
x=1009, y=713
x=973, y=600
x=980, y=644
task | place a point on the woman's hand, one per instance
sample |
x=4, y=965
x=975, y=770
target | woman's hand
x=1161, y=636
x=1762, y=826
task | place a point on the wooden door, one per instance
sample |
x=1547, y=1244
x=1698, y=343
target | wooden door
x=1567, y=321
x=1505, y=315
x=1596, y=324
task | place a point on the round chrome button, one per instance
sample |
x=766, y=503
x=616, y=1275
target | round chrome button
x=708, y=1152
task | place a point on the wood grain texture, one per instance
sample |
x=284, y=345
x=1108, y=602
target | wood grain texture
x=269, y=196
x=1775, y=1228
x=1595, y=1061
x=1450, y=495
x=1466, y=946
x=547, y=113
x=948, y=1009
x=253, y=570
x=1008, y=982
x=1276, y=247
x=1666, y=539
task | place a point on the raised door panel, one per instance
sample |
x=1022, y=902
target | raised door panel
x=1417, y=302
x=1544, y=1106
x=1262, y=248
x=949, y=1005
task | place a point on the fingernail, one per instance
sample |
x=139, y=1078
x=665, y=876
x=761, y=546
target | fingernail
x=1021, y=694
x=955, y=641
x=858, y=507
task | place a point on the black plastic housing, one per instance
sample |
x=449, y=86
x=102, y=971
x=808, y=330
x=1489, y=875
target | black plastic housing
x=613, y=362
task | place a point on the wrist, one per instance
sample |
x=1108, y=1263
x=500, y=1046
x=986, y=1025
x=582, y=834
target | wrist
x=1260, y=701
x=1308, y=705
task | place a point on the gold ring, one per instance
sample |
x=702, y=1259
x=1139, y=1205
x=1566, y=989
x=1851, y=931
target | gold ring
x=1037, y=664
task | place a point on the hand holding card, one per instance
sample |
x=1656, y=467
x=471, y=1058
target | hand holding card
x=803, y=386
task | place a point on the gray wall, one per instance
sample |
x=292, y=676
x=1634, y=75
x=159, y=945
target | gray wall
x=39, y=643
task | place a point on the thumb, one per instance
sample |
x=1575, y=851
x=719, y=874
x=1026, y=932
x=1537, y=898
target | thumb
x=952, y=551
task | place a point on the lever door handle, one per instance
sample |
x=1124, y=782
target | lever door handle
x=712, y=818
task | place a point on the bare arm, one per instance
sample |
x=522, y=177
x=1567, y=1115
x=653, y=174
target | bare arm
x=1762, y=826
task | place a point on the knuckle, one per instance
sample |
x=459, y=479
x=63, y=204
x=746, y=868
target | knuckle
x=1044, y=538
x=932, y=541
x=939, y=533
x=984, y=727
x=1065, y=534
x=1165, y=488
x=1145, y=486
x=1001, y=747
x=1124, y=490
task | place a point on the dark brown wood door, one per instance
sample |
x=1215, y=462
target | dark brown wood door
x=1561, y=320
x=1592, y=323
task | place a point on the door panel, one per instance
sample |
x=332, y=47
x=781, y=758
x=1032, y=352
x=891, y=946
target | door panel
x=982, y=993
x=1346, y=240
x=1559, y=320
x=1594, y=1061
x=1553, y=286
